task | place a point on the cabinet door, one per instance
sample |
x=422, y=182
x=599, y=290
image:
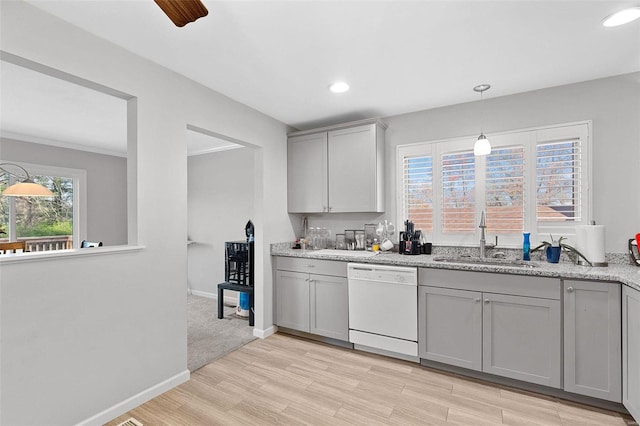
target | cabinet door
x=521, y=338
x=631, y=351
x=307, y=173
x=592, y=343
x=329, y=304
x=450, y=326
x=353, y=174
x=292, y=300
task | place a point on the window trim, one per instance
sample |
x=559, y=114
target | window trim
x=133, y=238
x=586, y=195
x=79, y=177
x=531, y=137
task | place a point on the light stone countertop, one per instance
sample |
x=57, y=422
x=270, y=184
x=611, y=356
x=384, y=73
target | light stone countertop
x=626, y=274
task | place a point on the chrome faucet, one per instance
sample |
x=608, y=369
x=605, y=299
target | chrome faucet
x=482, y=226
x=483, y=243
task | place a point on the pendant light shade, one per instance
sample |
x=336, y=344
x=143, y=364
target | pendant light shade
x=26, y=187
x=482, y=145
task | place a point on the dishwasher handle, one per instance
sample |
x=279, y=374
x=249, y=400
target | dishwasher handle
x=379, y=268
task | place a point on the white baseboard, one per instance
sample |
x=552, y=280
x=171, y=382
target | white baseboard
x=204, y=294
x=230, y=300
x=263, y=334
x=136, y=400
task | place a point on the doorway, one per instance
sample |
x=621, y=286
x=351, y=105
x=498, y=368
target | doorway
x=220, y=201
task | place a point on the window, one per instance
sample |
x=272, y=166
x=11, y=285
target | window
x=533, y=181
x=504, y=190
x=558, y=182
x=458, y=192
x=91, y=127
x=417, y=176
x=45, y=223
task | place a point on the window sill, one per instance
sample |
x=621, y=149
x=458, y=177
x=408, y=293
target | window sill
x=57, y=254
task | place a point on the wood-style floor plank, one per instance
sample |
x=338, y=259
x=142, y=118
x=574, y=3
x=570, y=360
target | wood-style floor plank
x=286, y=380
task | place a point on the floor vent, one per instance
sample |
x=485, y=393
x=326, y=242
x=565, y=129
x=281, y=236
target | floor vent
x=131, y=422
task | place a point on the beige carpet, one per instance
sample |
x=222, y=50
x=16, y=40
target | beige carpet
x=209, y=338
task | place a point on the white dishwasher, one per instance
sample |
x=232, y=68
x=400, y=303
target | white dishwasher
x=383, y=309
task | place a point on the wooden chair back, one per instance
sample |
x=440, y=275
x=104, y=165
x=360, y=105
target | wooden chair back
x=13, y=246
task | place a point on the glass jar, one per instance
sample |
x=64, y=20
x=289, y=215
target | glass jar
x=360, y=240
x=350, y=239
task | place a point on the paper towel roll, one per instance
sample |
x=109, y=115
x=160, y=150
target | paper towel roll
x=590, y=242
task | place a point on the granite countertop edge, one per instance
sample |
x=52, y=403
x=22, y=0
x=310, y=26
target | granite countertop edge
x=625, y=274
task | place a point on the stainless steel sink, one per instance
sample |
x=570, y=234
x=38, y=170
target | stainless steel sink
x=484, y=261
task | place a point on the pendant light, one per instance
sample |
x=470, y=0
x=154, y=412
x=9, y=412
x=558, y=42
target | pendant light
x=482, y=145
x=25, y=187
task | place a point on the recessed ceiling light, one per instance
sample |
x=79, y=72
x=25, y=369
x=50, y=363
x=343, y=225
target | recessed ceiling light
x=339, y=87
x=622, y=17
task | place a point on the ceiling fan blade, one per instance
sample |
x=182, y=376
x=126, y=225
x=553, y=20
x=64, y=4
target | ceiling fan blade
x=181, y=12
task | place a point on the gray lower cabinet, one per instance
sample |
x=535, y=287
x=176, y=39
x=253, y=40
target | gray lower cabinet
x=313, y=296
x=521, y=338
x=329, y=306
x=631, y=351
x=450, y=326
x=292, y=300
x=501, y=324
x=592, y=343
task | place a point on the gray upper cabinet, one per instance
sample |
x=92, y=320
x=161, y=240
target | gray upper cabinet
x=592, y=344
x=631, y=351
x=355, y=169
x=337, y=170
x=307, y=173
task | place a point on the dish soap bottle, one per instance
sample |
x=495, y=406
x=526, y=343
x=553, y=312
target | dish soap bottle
x=526, y=246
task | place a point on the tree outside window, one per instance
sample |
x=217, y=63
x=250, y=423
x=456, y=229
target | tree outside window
x=39, y=218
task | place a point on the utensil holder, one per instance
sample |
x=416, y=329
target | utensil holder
x=409, y=247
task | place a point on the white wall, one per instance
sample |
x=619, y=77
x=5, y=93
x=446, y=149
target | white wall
x=82, y=334
x=220, y=202
x=106, y=184
x=613, y=105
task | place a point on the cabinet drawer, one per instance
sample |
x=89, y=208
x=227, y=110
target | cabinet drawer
x=312, y=266
x=517, y=285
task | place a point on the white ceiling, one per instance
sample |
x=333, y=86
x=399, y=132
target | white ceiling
x=398, y=56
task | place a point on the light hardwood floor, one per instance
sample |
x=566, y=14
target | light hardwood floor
x=292, y=381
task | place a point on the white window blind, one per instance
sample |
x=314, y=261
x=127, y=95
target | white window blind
x=504, y=190
x=535, y=180
x=417, y=179
x=458, y=192
x=559, y=181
